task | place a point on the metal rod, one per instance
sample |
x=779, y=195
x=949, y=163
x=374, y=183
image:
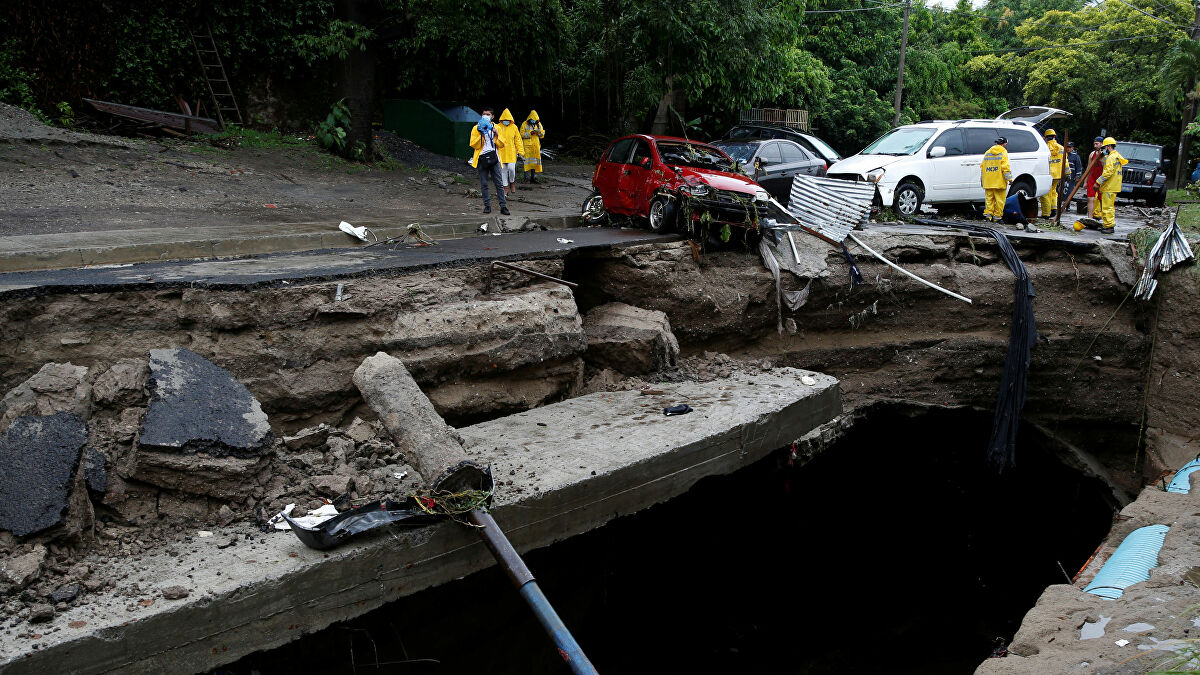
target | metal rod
x=795, y=255
x=539, y=275
x=523, y=580
x=900, y=269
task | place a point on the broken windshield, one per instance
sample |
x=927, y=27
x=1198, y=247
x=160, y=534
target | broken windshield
x=900, y=141
x=693, y=154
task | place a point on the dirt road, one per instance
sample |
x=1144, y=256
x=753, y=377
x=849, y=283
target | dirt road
x=54, y=181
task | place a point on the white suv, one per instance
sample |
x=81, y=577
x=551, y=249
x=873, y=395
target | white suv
x=938, y=162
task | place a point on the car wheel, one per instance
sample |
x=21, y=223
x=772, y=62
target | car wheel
x=1024, y=187
x=662, y=214
x=1157, y=200
x=908, y=198
x=593, y=209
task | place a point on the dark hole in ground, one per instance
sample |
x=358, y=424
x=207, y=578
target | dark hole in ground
x=896, y=550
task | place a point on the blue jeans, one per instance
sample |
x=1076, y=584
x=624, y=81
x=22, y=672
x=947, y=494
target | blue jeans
x=498, y=179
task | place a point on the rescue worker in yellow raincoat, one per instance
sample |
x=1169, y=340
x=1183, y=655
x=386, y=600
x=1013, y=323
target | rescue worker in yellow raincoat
x=1057, y=155
x=1109, y=184
x=532, y=133
x=995, y=174
x=510, y=149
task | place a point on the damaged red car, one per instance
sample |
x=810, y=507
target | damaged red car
x=673, y=183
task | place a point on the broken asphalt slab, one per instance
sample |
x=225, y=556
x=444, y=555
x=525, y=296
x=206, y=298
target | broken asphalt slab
x=567, y=468
x=40, y=456
x=323, y=265
x=197, y=406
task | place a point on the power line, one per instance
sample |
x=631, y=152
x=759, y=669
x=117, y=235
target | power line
x=859, y=9
x=1139, y=11
x=1073, y=44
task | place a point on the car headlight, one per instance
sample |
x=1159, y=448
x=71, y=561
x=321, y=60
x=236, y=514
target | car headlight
x=698, y=190
x=875, y=175
x=761, y=196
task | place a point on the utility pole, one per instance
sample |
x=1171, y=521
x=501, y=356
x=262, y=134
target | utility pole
x=1189, y=113
x=904, y=48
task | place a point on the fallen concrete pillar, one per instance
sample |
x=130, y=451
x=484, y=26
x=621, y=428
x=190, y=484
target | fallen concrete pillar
x=428, y=444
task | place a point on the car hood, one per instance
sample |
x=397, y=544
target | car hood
x=861, y=164
x=721, y=180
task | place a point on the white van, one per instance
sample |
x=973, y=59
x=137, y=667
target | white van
x=938, y=162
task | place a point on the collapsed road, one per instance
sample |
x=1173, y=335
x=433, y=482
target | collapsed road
x=493, y=360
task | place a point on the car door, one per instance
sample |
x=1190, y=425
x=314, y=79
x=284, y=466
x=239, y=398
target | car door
x=608, y=173
x=951, y=179
x=769, y=169
x=978, y=139
x=633, y=179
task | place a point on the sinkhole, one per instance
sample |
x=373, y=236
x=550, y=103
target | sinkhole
x=894, y=548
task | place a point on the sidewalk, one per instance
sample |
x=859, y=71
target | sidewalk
x=23, y=253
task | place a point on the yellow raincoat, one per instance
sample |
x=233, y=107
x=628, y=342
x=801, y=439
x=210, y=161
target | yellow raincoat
x=1109, y=186
x=532, y=132
x=1057, y=159
x=511, y=135
x=477, y=143
x=995, y=173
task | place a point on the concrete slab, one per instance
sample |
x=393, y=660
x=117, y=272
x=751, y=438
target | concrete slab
x=323, y=265
x=19, y=253
x=565, y=468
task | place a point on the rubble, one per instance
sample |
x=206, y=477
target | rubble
x=629, y=339
x=39, y=456
x=197, y=406
x=56, y=387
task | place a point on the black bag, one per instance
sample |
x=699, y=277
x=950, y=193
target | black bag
x=487, y=160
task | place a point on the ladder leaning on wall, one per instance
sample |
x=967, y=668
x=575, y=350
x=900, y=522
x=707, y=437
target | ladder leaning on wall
x=224, y=102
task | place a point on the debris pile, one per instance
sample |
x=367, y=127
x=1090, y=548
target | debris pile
x=1170, y=250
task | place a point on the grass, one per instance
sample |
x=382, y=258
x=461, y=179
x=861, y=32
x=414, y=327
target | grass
x=253, y=138
x=1189, y=214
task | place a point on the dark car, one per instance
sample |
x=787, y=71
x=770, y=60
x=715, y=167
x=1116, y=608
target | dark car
x=659, y=178
x=773, y=163
x=1145, y=176
x=812, y=144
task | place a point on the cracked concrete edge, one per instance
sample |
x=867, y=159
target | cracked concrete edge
x=214, y=630
x=237, y=244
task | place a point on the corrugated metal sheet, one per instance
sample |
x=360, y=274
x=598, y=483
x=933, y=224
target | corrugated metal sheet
x=1182, y=482
x=1170, y=250
x=1130, y=563
x=832, y=207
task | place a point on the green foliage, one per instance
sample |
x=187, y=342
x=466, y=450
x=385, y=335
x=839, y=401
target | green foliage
x=331, y=133
x=246, y=137
x=340, y=39
x=16, y=83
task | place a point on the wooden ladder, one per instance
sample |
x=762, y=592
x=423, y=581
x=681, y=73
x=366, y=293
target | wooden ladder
x=223, y=99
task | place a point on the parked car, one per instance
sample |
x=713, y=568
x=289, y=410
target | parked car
x=653, y=177
x=773, y=163
x=1145, y=176
x=938, y=162
x=811, y=143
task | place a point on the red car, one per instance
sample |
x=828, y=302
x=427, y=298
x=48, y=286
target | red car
x=660, y=177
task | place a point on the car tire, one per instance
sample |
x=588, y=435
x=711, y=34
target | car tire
x=1023, y=186
x=908, y=198
x=661, y=214
x=593, y=209
x=1157, y=200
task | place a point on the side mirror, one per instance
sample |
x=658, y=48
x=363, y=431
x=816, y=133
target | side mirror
x=645, y=163
x=937, y=151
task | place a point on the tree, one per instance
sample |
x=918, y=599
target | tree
x=1178, y=73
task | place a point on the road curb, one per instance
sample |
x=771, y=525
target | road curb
x=91, y=248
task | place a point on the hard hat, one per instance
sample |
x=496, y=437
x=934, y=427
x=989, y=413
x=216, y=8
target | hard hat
x=1000, y=140
x=1078, y=226
x=1049, y=133
x=1109, y=141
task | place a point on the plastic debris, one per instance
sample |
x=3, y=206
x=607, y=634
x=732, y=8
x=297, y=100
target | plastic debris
x=483, y=227
x=204, y=533
x=681, y=409
x=282, y=520
x=808, y=380
x=334, y=530
x=356, y=232
x=565, y=241
x=1121, y=643
x=399, y=475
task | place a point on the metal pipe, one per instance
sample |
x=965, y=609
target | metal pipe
x=900, y=269
x=539, y=275
x=520, y=576
x=795, y=255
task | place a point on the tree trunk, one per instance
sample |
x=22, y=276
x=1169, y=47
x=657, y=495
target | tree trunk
x=358, y=80
x=1185, y=140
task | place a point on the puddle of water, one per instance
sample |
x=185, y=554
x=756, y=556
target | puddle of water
x=1140, y=627
x=1091, y=631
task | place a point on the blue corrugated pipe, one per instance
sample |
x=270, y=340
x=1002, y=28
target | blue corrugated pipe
x=1130, y=563
x=1181, y=483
